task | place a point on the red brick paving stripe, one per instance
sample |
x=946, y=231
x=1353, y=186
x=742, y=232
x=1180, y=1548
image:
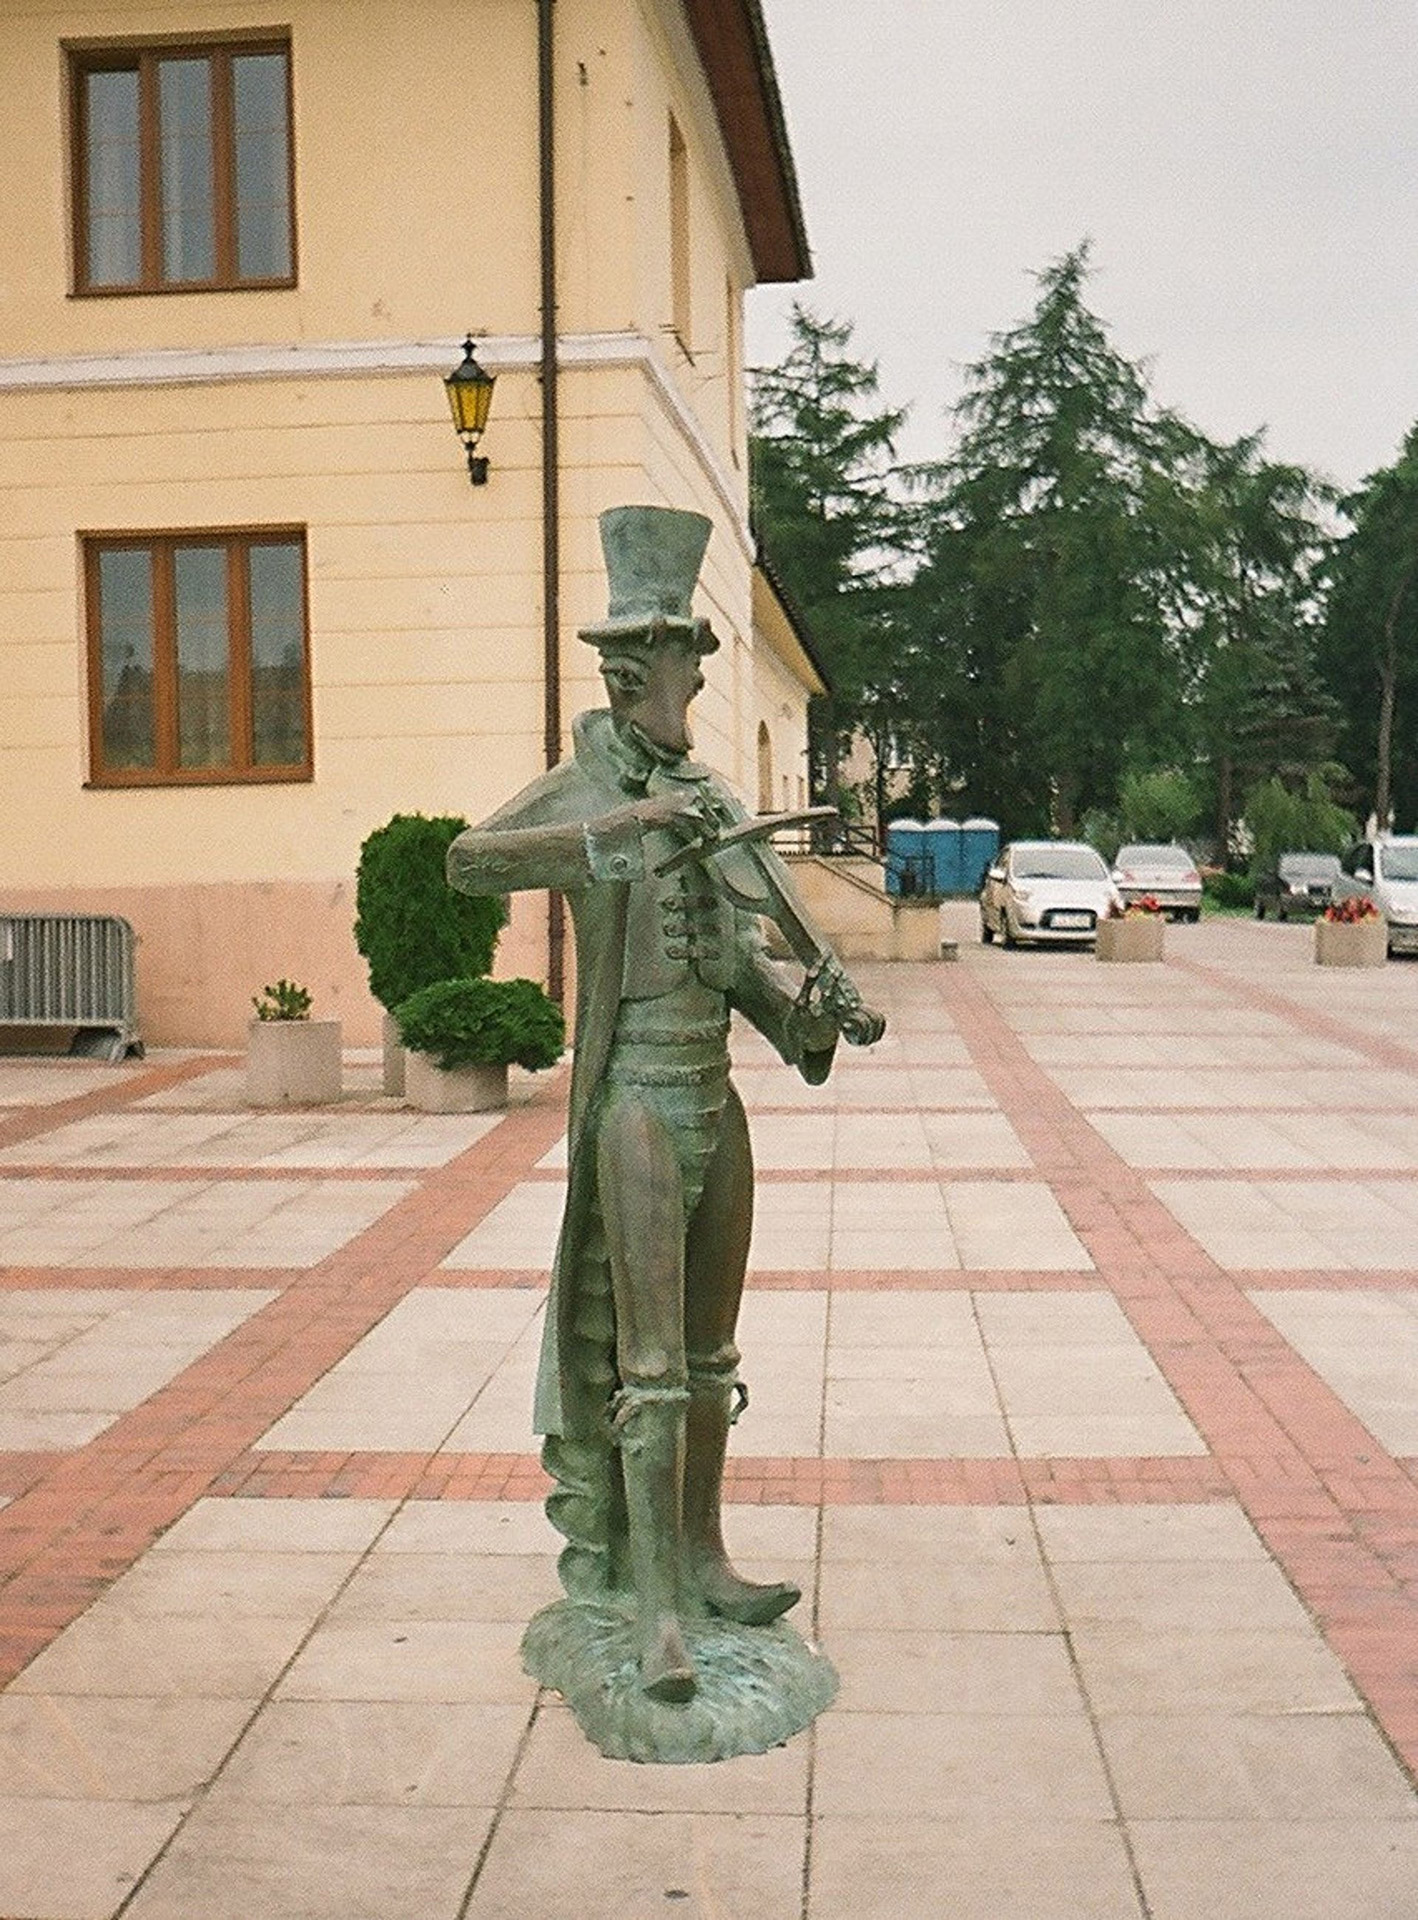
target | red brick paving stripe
x=1308, y=1020
x=96, y=1509
x=20, y=1124
x=1304, y=1468
x=798, y=1480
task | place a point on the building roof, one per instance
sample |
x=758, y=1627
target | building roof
x=738, y=65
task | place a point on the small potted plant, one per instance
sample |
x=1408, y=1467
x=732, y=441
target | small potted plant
x=1351, y=933
x=462, y=1035
x=1133, y=932
x=291, y=1060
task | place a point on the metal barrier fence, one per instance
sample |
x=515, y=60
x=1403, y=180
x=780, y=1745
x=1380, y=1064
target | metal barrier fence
x=61, y=970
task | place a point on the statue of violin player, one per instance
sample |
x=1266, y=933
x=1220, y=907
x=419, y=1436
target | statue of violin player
x=667, y=880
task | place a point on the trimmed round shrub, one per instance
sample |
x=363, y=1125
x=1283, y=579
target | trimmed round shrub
x=410, y=925
x=483, y=1023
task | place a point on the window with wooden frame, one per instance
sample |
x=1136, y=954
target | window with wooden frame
x=199, y=661
x=182, y=159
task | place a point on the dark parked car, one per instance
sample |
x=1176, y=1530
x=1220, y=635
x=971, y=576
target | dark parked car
x=1296, y=883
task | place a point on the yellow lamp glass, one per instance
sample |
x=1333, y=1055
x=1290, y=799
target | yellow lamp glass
x=469, y=388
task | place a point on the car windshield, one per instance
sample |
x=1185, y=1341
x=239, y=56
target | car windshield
x=1399, y=863
x=1058, y=863
x=1308, y=866
x=1153, y=857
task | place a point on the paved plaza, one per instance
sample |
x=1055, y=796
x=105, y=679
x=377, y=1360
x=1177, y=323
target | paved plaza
x=1082, y=1338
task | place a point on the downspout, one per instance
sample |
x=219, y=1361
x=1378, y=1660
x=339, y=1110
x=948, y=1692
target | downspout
x=551, y=472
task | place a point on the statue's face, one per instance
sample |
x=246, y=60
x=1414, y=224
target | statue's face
x=660, y=706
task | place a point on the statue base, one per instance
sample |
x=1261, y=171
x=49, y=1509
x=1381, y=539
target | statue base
x=758, y=1686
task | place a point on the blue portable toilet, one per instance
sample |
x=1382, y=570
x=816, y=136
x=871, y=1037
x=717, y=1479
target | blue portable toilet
x=979, y=843
x=943, y=855
x=905, y=857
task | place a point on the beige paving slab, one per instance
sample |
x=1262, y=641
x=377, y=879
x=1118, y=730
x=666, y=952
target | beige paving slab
x=224, y=1586
x=35, y=1083
x=970, y=1868
x=277, y=1526
x=236, y=1859
x=1204, y=1596
x=1364, y=1345
x=76, y=1859
x=111, y=1652
x=917, y=1672
x=560, y=1769
x=1129, y=1669
x=642, y=1866
x=519, y=1232
x=375, y=1753
x=1004, y=1766
x=1269, y=1225
x=1257, y=1869
x=448, y=1586
x=935, y=1597
x=491, y=1527
x=928, y=1536
x=474, y=1662
x=1288, y=1766
x=1148, y=1534
x=97, y=1748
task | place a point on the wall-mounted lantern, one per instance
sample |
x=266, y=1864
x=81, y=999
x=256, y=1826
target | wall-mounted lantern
x=469, y=388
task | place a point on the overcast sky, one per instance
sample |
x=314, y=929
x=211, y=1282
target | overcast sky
x=1247, y=171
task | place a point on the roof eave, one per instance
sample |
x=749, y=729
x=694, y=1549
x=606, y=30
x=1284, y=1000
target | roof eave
x=732, y=41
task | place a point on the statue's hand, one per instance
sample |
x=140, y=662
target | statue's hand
x=831, y=994
x=679, y=813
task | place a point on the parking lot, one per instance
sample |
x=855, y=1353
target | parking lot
x=1082, y=1337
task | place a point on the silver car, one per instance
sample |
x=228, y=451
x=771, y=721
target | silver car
x=1165, y=873
x=1045, y=890
x=1386, y=872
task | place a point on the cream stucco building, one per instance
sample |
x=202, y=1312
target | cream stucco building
x=250, y=605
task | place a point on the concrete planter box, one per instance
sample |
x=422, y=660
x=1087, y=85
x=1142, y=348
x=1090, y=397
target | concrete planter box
x=1137, y=936
x=1358, y=943
x=292, y=1063
x=463, y=1090
x=393, y=1057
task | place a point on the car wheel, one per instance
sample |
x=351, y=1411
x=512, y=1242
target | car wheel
x=987, y=932
x=1260, y=910
x=1194, y=915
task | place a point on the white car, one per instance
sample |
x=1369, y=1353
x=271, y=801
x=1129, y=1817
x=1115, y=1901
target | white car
x=1167, y=873
x=1386, y=872
x=1045, y=890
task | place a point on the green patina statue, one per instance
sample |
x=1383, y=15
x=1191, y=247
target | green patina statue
x=663, y=1650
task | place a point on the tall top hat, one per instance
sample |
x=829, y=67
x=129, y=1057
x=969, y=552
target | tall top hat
x=653, y=556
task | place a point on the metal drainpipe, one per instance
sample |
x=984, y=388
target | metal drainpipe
x=551, y=472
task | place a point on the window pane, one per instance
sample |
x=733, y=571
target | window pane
x=203, y=658
x=277, y=656
x=185, y=109
x=262, y=167
x=125, y=610
x=114, y=251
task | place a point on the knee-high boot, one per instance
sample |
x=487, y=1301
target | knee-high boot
x=650, y=1426
x=711, y=1413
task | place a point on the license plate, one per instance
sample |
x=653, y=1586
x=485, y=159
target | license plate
x=1083, y=920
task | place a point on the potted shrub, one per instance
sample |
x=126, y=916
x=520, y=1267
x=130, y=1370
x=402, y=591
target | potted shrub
x=1133, y=932
x=1351, y=933
x=462, y=1035
x=291, y=1060
x=411, y=926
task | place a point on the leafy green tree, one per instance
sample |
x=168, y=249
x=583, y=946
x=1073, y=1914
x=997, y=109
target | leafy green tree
x=1163, y=805
x=1248, y=593
x=1046, y=590
x=829, y=511
x=1371, y=635
x=1281, y=820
